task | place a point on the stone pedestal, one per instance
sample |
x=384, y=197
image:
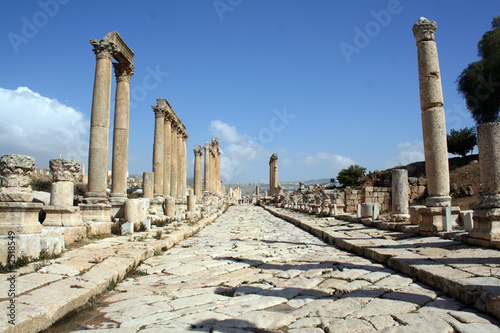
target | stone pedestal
x=433, y=219
x=487, y=217
x=400, y=195
x=97, y=218
x=65, y=216
x=20, y=218
x=117, y=202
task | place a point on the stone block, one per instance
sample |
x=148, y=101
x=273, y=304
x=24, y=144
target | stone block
x=368, y=210
x=68, y=216
x=95, y=212
x=466, y=217
x=24, y=245
x=415, y=217
x=20, y=218
x=52, y=241
x=433, y=219
x=136, y=210
x=486, y=224
x=127, y=228
x=62, y=193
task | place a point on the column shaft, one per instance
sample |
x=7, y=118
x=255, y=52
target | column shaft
x=179, y=164
x=121, y=129
x=173, y=162
x=158, y=152
x=206, y=180
x=99, y=125
x=198, y=152
x=167, y=155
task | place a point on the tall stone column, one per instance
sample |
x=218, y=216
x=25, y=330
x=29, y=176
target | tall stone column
x=158, y=151
x=179, y=163
x=217, y=172
x=167, y=153
x=99, y=122
x=121, y=128
x=198, y=152
x=400, y=195
x=433, y=117
x=206, y=180
x=435, y=217
x=273, y=175
x=173, y=162
x=184, y=164
x=487, y=217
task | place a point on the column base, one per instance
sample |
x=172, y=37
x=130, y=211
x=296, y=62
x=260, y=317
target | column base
x=20, y=218
x=67, y=216
x=438, y=201
x=486, y=224
x=95, y=198
x=433, y=218
x=400, y=217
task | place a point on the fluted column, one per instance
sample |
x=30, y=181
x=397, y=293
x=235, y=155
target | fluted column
x=121, y=129
x=206, y=180
x=433, y=117
x=167, y=154
x=173, y=162
x=179, y=163
x=99, y=123
x=158, y=151
x=198, y=152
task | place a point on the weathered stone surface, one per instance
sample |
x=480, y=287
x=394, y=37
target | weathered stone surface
x=64, y=169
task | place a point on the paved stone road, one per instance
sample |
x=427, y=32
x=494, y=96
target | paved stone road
x=252, y=272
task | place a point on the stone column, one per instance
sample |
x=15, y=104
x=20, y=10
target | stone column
x=184, y=164
x=99, y=123
x=158, y=151
x=148, y=185
x=179, y=163
x=198, y=152
x=167, y=154
x=120, y=132
x=433, y=117
x=18, y=214
x=487, y=217
x=438, y=215
x=173, y=162
x=273, y=175
x=206, y=180
x=217, y=172
x=400, y=195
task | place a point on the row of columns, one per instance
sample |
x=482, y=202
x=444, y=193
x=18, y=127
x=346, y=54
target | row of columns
x=109, y=48
x=169, y=152
x=212, y=182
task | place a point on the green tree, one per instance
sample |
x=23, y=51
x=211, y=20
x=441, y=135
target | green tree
x=351, y=175
x=479, y=83
x=462, y=142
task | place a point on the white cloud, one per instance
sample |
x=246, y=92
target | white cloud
x=38, y=126
x=240, y=153
x=409, y=152
x=225, y=132
x=331, y=162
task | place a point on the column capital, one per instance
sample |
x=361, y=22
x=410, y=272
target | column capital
x=207, y=146
x=123, y=72
x=185, y=136
x=424, y=30
x=103, y=48
x=198, y=151
x=159, y=113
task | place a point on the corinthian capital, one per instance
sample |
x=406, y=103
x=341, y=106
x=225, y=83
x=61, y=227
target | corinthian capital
x=103, y=48
x=424, y=30
x=123, y=72
x=159, y=113
x=198, y=150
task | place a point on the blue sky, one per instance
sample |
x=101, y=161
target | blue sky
x=263, y=76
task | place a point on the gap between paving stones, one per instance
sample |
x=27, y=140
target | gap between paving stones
x=67, y=284
x=394, y=249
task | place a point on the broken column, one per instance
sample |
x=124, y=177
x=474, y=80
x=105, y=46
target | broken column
x=148, y=185
x=400, y=196
x=198, y=152
x=487, y=217
x=434, y=130
x=18, y=214
x=61, y=211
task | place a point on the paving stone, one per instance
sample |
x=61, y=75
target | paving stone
x=349, y=326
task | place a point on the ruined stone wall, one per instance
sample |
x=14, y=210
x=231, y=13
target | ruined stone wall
x=381, y=195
